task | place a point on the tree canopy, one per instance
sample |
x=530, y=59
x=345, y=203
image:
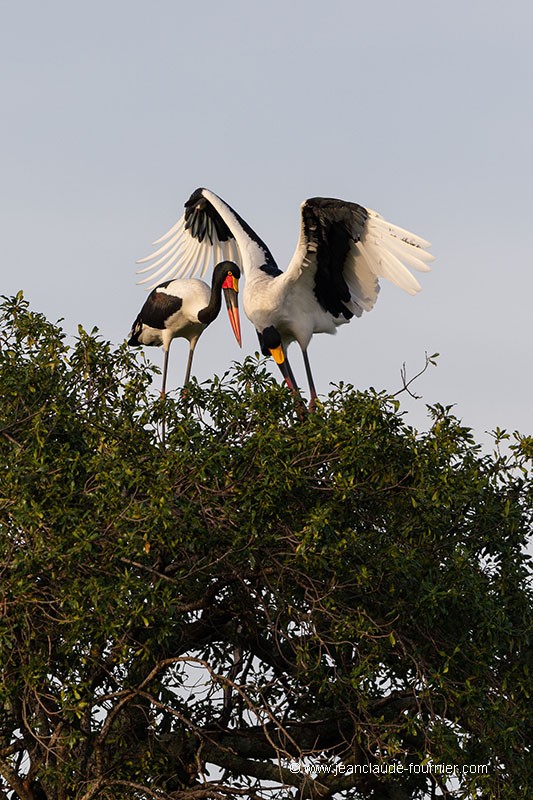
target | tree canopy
x=267, y=604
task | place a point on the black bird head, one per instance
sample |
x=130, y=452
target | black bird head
x=229, y=273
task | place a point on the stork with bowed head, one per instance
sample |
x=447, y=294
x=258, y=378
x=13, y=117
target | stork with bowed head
x=332, y=277
x=184, y=308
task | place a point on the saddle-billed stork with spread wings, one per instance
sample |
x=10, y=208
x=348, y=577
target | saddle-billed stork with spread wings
x=332, y=277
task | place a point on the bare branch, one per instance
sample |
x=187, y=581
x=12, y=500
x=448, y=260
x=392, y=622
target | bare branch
x=429, y=360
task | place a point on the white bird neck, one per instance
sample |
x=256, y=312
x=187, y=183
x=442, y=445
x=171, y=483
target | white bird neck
x=254, y=253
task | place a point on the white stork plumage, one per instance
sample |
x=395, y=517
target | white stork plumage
x=184, y=308
x=333, y=275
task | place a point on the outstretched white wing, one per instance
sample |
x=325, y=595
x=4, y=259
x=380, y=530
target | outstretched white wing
x=345, y=248
x=200, y=238
x=342, y=252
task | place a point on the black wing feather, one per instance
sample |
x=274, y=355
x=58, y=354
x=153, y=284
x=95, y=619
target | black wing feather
x=200, y=216
x=159, y=306
x=331, y=227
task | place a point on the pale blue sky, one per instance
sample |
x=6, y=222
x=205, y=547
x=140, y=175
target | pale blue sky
x=113, y=112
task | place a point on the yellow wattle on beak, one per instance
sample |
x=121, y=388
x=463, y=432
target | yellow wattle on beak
x=277, y=354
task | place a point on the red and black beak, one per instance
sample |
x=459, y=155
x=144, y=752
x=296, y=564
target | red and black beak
x=278, y=355
x=230, y=287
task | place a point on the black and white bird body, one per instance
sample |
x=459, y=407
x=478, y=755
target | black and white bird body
x=183, y=309
x=333, y=276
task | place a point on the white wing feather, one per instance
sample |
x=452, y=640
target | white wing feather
x=179, y=256
x=384, y=251
x=378, y=222
x=362, y=283
x=390, y=250
x=180, y=224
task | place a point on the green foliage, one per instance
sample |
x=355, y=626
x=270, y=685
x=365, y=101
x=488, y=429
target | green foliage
x=264, y=586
